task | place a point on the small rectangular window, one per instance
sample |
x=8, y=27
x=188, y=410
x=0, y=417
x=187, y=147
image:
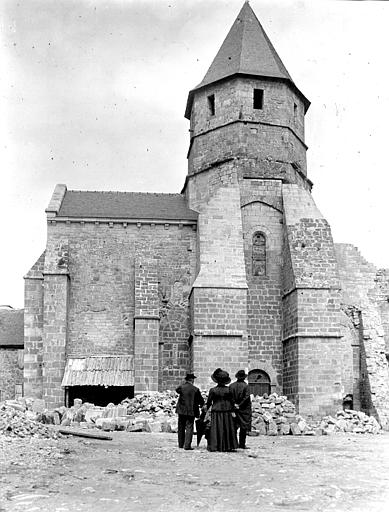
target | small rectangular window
x=258, y=99
x=211, y=104
x=294, y=112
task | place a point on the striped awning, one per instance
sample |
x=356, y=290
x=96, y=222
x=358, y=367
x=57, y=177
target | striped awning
x=99, y=371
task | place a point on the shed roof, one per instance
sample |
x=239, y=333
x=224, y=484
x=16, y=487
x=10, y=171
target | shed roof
x=99, y=371
x=125, y=205
x=12, y=328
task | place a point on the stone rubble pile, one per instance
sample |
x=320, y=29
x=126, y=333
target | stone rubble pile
x=152, y=412
x=155, y=412
x=276, y=415
x=350, y=421
x=16, y=420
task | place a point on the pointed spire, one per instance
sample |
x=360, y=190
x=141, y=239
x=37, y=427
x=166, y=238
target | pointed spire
x=246, y=50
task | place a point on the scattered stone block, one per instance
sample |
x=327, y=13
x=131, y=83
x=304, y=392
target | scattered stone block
x=153, y=426
x=57, y=418
x=272, y=428
x=295, y=429
x=108, y=425
x=284, y=429
x=93, y=413
x=267, y=416
x=38, y=405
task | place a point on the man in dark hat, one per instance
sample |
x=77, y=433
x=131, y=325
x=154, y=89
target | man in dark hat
x=188, y=407
x=241, y=395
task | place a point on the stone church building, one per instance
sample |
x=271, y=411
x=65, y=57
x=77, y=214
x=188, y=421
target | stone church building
x=239, y=270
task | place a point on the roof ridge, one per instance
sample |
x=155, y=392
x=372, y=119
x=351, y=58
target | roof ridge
x=124, y=192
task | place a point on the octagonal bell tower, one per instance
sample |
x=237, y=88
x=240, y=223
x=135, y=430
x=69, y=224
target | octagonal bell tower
x=247, y=137
x=257, y=296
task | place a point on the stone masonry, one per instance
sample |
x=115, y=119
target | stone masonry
x=239, y=271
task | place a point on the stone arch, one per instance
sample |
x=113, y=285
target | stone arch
x=260, y=228
x=259, y=382
x=268, y=204
x=267, y=368
x=259, y=254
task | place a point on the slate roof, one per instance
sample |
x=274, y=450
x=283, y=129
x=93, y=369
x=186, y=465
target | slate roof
x=12, y=327
x=99, y=371
x=125, y=205
x=246, y=50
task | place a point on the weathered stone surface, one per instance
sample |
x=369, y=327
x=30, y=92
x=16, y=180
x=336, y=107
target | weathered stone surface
x=284, y=429
x=153, y=426
x=295, y=429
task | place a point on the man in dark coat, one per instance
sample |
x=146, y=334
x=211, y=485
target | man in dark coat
x=241, y=395
x=188, y=407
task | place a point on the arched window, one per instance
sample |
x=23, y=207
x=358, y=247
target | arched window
x=259, y=383
x=259, y=254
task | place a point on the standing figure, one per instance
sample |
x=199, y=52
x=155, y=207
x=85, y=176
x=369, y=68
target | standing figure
x=188, y=407
x=222, y=434
x=241, y=396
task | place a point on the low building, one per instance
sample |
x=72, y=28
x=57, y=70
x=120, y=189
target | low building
x=11, y=352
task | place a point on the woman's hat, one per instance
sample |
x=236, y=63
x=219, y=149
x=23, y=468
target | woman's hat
x=241, y=374
x=220, y=376
x=190, y=376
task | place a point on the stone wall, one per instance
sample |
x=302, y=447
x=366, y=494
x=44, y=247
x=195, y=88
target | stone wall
x=219, y=293
x=101, y=306
x=234, y=100
x=277, y=128
x=316, y=357
x=33, y=330
x=365, y=289
x=11, y=373
x=262, y=212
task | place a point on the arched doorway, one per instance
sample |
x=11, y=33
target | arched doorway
x=259, y=382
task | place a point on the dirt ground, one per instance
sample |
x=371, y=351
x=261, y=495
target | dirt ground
x=147, y=472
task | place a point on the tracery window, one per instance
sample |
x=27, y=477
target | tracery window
x=259, y=254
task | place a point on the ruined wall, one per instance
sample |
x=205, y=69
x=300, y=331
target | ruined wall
x=11, y=373
x=364, y=289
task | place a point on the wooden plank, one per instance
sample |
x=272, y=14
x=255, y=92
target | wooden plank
x=85, y=433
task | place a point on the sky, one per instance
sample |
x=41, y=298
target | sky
x=93, y=94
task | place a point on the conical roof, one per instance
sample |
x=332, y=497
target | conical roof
x=246, y=50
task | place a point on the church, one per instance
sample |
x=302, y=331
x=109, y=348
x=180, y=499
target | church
x=239, y=270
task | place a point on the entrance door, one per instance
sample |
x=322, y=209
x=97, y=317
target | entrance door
x=259, y=383
x=99, y=395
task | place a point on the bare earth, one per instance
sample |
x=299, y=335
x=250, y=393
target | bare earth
x=147, y=472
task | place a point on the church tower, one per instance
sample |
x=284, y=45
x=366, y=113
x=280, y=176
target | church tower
x=266, y=295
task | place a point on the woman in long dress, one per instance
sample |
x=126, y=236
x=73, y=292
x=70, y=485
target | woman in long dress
x=222, y=434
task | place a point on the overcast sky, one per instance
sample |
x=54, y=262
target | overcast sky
x=93, y=95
